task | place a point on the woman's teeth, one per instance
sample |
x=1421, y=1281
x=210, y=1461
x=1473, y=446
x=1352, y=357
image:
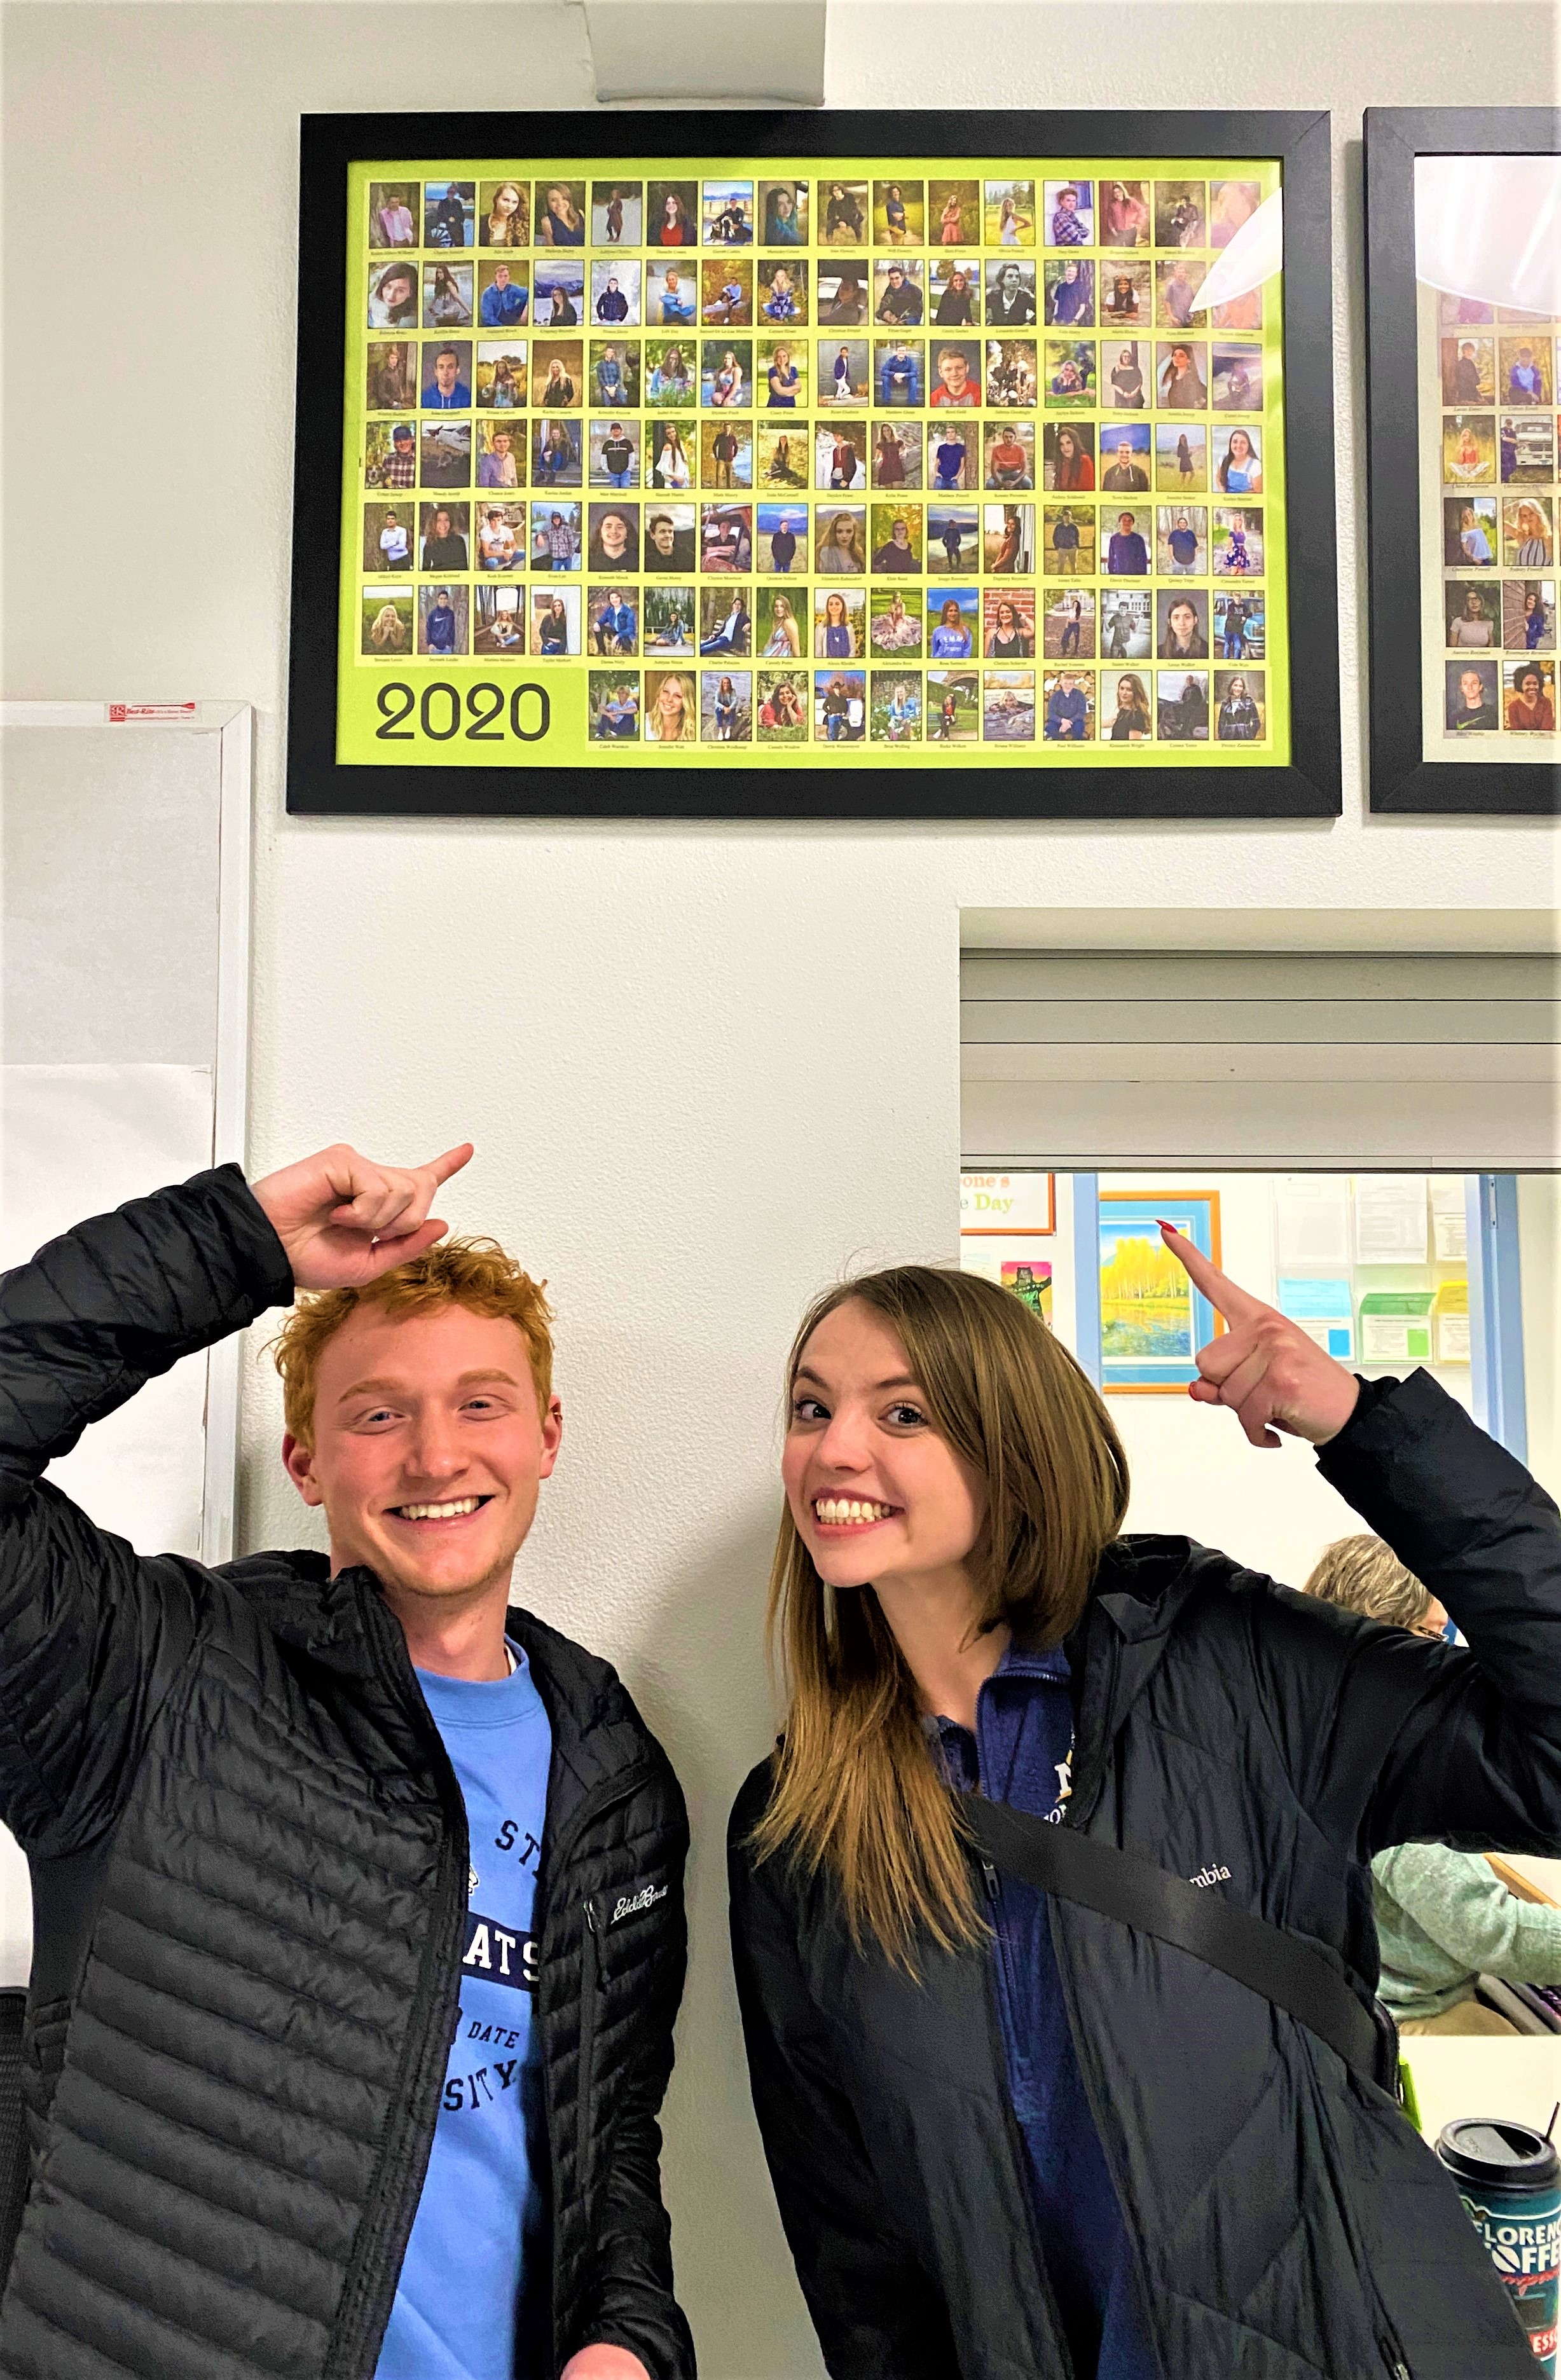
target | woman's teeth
x=845, y=1511
x=440, y=1512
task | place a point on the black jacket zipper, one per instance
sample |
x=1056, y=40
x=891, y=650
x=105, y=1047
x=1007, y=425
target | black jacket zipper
x=1065, y=2370
x=586, y=2058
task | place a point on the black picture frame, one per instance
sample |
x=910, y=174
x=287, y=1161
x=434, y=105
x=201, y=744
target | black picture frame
x=1402, y=778
x=317, y=783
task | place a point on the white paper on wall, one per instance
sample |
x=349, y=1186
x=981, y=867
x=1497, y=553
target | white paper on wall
x=1311, y=1220
x=1449, y=1218
x=1390, y=1218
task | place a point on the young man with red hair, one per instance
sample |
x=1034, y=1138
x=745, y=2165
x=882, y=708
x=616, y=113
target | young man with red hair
x=358, y=1931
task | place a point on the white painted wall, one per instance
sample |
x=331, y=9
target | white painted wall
x=705, y=1066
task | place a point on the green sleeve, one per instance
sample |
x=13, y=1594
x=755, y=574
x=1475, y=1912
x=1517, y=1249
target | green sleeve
x=1461, y=1902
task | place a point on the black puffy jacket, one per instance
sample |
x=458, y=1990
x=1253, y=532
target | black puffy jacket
x=1288, y=2223
x=249, y=1855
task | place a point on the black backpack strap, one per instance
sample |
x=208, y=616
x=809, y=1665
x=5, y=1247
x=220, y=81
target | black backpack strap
x=1278, y=1966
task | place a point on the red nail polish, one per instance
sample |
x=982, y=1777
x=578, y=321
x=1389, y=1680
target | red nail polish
x=1163, y=1226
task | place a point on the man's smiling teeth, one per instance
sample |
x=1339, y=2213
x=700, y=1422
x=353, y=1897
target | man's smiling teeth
x=441, y=1512
x=838, y=1511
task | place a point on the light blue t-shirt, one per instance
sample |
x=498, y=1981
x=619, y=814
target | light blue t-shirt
x=478, y=2239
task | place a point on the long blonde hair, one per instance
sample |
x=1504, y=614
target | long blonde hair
x=857, y=1793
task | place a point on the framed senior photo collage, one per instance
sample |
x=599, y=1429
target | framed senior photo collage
x=895, y=466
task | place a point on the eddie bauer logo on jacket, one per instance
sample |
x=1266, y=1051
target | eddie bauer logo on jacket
x=630, y=1904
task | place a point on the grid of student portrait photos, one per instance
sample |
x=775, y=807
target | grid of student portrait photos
x=1489, y=439
x=941, y=458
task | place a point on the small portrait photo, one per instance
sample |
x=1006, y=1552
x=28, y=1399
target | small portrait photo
x=447, y=297
x=1007, y=539
x=1231, y=204
x=727, y=213
x=1127, y=297
x=671, y=614
x=1469, y=449
x=839, y=460
x=556, y=460
x=1178, y=280
x=447, y=374
x=1237, y=386
x=672, y=293
x=1469, y=532
x=502, y=374
x=781, y=457
x=501, y=535
x=391, y=376
x=443, y=619
x=953, y=537
x=894, y=534
x=900, y=371
x=726, y=538
x=617, y=214
x=894, y=707
x=1526, y=447
x=1127, y=625
x=1182, y=375
x=1528, y=615
x=393, y=214
x=726, y=706
x=782, y=385
x=954, y=293
x=1068, y=696
x=1238, y=541
x=1471, y=617
x=1239, y=623
x=1181, y=540
x=1243, y=313
x=1125, y=532
x=672, y=215
x=615, y=288
x=955, y=379
x=781, y=698
x=611, y=622
x=1181, y=457
x=784, y=215
x=388, y=530
x=1474, y=697
x=503, y=293
x=842, y=372
x=501, y=457
x=1469, y=372
x=444, y=455
x=726, y=452
x=1009, y=455
x=1010, y=293
x=1182, y=624
x=1009, y=214
x=1012, y=372
x=1068, y=210
x=1180, y=214
x=670, y=707
x=842, y=214
x=899, y=293
x=670, y=372
x=1008, y=623
x=389, y=622
x=1125, y=387
x=1528, y=532
x=839, y=706
x=1453, y=312
x=953, y=706
x=726, y=373
x=449, y=215
x=612, y=453
x=1529, y=695
x=1125, y=715
x=390, y=454
x=894, y=624
x=953, y=622
x=780, y=631
x=954, y=455
x=1068, y=456
x=899, y=214
x=559, y=214
x=1068, y=540
x=1124, y=458
x=845, y=295
x=897, y=450
x=614, y=537
x=953, y=215
x=1124, y=215
x=613, y=704
x=1008, y=706
x=393, y=296
x=503, y=215
x=1240, y=705
x=1067, y=624
x=1182, y=702
x=840, y=619
x=726, y=292
x=557, y=534
x=841, y=541
x=558, y=293
x=1525, y=370
x=558, y=371
x=555, y=623
x=782, y=284
x=1069, y=375
x=1070, y=291
x=726, y=625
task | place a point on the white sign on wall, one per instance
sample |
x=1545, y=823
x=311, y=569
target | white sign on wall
x=1018, y=1205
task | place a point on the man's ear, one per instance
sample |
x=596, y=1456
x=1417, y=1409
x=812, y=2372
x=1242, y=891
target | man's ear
x=552, y=1433
x=298, y=1460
